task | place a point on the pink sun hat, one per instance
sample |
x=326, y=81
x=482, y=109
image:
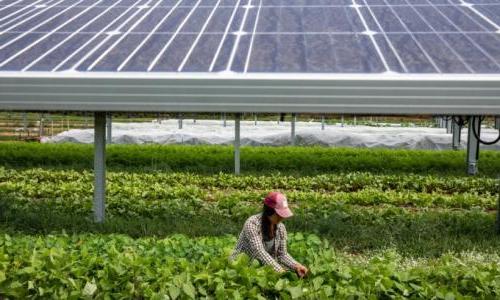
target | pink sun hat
x=278, y=201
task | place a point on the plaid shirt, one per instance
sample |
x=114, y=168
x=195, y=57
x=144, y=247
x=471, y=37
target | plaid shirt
x=251, y=242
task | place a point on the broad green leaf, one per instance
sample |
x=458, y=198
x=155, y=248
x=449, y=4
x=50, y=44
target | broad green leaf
x=89, y=289
x=174, y=292
x=189, y=289
x=317, y=282
x=449, y=296
x=280, y=284
x=295, y=291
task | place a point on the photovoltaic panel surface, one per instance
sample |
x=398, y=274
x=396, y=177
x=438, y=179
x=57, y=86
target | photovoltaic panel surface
x=251, y=36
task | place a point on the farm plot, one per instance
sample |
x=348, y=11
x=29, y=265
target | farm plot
x=168, y=233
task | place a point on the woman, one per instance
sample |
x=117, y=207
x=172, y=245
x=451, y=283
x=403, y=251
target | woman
x=264, y=236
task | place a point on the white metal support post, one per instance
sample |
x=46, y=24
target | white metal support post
x=25, y=122
x=40, y=128
x=449, y=125
x=255, y=119
x=294, y=120
x=109, y=125
x=473, y=145
x=99, y=165
x=179, y=117
x=322, y=122
x=224, y=119
x=456, y=135
x=237, y=144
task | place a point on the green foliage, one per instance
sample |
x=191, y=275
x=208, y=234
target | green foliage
x=210, y=159
x=178, y=267
x=396, y=230
x=149, y=194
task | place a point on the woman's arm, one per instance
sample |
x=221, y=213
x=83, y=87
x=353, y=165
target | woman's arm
x=254, y=236
x=283, y=256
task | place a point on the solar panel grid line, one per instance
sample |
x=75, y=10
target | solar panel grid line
x=226, y=31
x=124, y=35
x=472, y=8
x=37, y=26
x=69, y=37
x=473, y=19
x=273, y=32
x=94, y=37
x=239, y=33
x=10, y=5
x=417, y=42
x=389, y=42
x=139, y=9
x=479, y=47
x=179, y=28
x=250, y=47
x=461, y=59
x=42, y=38
x=370, y=35
x=202, y=31
x=27, y=19
x=16, y=12
x=20, y=10
x=149, y=35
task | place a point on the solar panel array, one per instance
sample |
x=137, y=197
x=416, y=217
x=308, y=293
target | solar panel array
x=272, y=36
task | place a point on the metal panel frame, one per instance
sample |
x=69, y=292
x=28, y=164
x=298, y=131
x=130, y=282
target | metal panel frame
x=255, y=92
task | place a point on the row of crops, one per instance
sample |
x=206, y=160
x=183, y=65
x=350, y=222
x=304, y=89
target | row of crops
x=179, y=267
x=378, y=234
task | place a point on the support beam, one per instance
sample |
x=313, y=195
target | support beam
x=497, y=122
x=224, y=119
x=179, y=118
x=99, y=165
x=40, y=128
x=25, y=122
x=237, y=144
x=342, y=121
x=355, y=121
x=322, y=122
x=473, y=145
x=109, y=126
x=255, y=119
x=456, y=135
x=449, y=125
x=294, y=120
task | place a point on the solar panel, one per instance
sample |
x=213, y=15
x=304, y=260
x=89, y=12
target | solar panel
x=251, y=36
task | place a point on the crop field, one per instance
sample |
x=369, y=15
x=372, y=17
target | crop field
x=369, y=224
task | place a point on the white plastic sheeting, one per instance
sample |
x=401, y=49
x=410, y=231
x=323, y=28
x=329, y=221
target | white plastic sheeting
x=270, y=133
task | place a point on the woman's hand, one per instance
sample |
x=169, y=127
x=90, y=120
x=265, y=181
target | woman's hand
x=301, y=270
